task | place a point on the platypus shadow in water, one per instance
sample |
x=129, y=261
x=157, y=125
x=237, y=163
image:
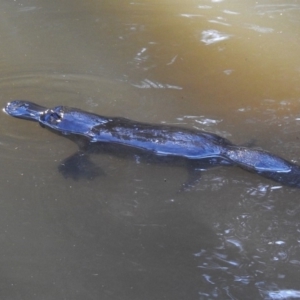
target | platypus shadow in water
x=197, y=149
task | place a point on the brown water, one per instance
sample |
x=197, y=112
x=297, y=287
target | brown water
x=226, y=67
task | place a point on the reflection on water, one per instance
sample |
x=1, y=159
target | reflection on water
x=213, y=36
x=146, y=84
x=226, y=67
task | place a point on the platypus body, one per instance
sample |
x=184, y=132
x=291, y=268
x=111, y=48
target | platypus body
x=196, y=147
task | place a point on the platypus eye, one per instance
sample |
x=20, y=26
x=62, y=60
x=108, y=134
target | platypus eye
x=55, y=117
x=51, y=118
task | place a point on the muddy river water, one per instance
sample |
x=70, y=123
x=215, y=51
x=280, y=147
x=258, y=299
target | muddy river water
x=227, y=67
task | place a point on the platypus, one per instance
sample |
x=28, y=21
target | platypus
x=157, y=140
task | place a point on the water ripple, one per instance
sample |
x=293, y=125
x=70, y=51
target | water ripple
x=212, y=36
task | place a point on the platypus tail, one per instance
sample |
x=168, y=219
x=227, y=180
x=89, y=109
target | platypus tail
x=265, y=164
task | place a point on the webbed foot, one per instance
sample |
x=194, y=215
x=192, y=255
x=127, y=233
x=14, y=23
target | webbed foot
x=79, y=166
x=195, y=169
x=194, y=177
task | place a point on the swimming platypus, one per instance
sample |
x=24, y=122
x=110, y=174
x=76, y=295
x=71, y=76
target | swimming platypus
x=161, y=141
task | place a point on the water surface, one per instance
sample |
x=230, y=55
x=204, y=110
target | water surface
x=226, y=67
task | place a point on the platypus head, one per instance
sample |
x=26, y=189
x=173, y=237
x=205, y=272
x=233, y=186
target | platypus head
x=24, y=110
x=68, y=120
x=63, y=119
